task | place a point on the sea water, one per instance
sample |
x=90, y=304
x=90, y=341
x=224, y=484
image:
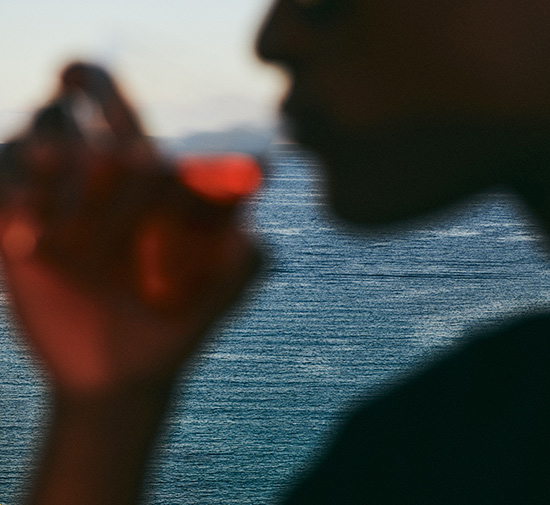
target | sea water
x=335, y=318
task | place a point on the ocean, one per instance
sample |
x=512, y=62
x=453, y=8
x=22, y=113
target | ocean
x=336, y=317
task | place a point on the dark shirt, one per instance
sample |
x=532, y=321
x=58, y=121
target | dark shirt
x=473, y=428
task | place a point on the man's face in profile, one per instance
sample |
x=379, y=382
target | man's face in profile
x=378, y=88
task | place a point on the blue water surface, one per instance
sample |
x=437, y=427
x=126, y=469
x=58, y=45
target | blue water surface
x=336, y=317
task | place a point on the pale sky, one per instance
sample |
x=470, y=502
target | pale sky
x=189, y=65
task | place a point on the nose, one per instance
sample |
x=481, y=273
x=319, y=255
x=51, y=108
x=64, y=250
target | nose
x=285, y=37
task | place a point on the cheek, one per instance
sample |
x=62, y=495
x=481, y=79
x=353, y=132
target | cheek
x=481, y=58
x=397, y=66
x=505, y=48
x=359, y=93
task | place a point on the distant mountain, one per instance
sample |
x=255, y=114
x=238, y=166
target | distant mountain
x=239, y=139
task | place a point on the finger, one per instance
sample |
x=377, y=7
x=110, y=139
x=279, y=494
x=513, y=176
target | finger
x=99, y=86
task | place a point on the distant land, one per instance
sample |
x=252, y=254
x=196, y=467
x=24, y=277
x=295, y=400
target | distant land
x=244, y=139
x=248, y=139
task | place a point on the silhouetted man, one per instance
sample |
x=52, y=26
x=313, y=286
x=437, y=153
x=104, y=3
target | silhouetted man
x=411, y=106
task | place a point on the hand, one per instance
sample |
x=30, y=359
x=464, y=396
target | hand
x=107, y=317
x=95, y=340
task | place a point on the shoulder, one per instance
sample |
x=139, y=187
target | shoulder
x=472, y=428
x=493, y=368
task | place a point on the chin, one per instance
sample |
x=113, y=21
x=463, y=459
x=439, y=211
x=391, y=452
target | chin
x=360, y=208
x=356, y=196
x=343, y=212
x=408, y=170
